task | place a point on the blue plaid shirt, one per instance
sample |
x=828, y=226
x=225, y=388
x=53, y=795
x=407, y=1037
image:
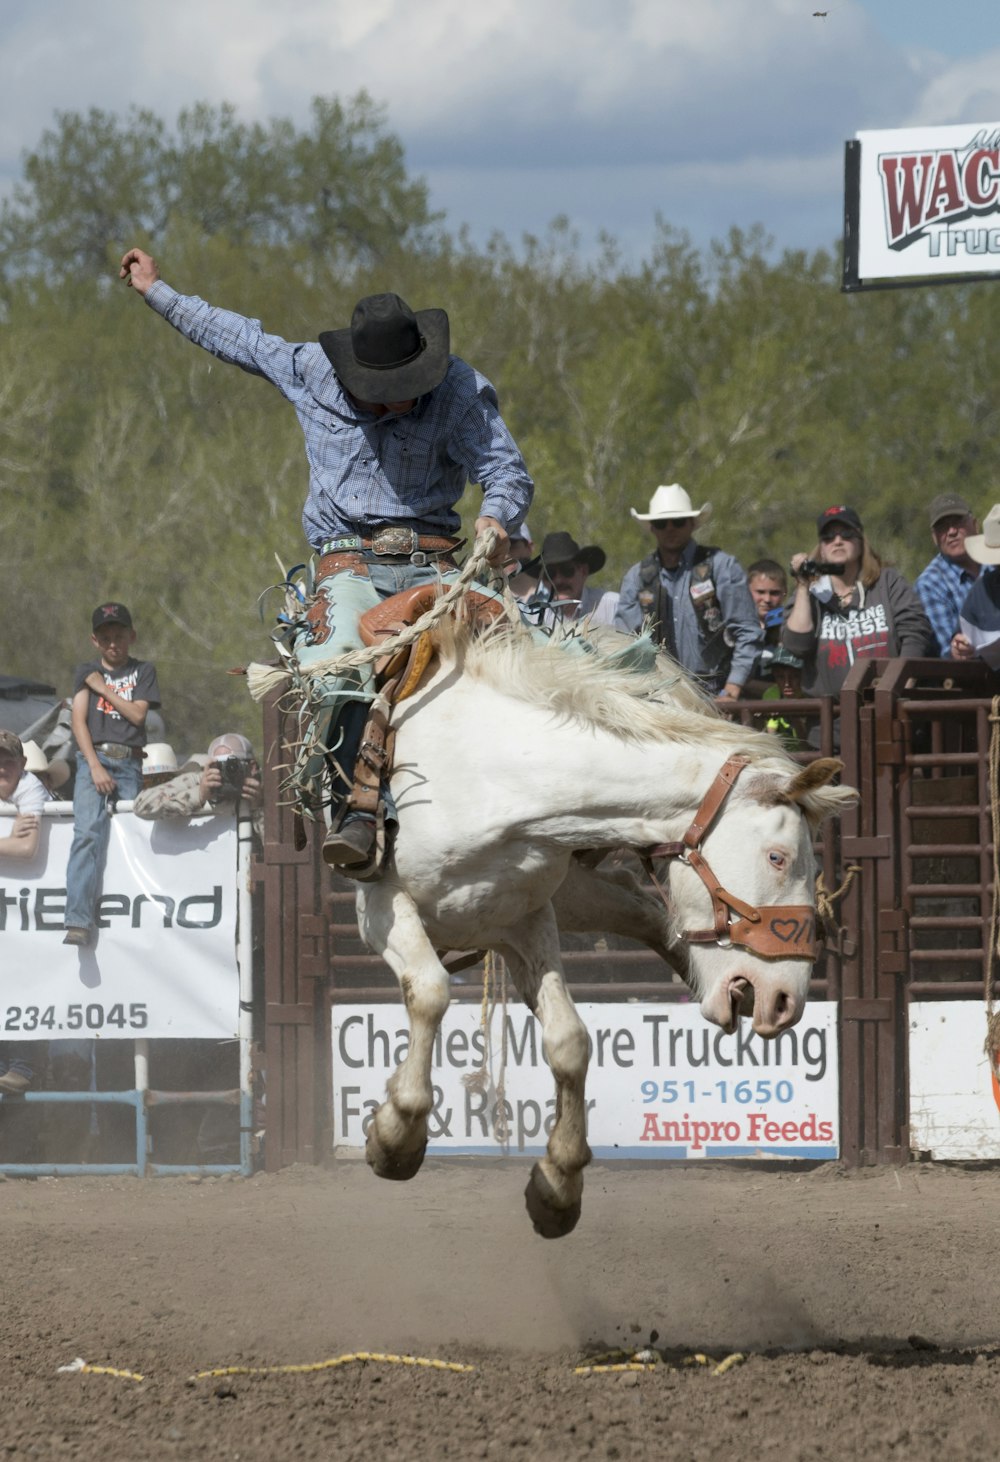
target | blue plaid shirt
x=942, y=587
x=365, y=470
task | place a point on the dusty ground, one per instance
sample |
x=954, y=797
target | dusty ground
x=865, y=1305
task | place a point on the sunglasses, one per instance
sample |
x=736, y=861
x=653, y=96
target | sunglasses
x=848, y=534
x=670, y=522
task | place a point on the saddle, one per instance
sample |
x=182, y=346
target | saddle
x=397, y=676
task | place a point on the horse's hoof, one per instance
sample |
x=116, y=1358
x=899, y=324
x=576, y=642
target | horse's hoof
x=397, y=1166
x=548, y=1220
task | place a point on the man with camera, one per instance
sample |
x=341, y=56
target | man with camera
x=226, y=780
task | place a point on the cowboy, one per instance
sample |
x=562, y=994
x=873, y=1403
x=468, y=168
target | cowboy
x=563, y=594
x=395, y=428
x=946, y=580
x=694, y=596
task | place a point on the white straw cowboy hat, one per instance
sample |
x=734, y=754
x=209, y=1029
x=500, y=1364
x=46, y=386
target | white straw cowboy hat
x=158, y=762
x=56, y=773
x=672, y=502
x=984, y=547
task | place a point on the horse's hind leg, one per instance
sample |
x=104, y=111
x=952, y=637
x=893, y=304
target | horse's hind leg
x=389, y=923
x=555, y=1188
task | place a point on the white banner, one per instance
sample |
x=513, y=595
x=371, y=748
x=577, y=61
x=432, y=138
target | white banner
x=164, y=959
x=953, y=1098
x=662, y=1082
x=929, y=201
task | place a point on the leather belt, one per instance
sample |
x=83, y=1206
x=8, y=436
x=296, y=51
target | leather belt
x=118, y=751
x=395, y=542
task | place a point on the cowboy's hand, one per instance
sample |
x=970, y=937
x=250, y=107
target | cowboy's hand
x=961, y=647
x=502, y=548
x=138, y=270
x=95, y=681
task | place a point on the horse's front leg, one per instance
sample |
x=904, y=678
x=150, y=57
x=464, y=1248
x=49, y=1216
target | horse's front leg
x=555, y=1188
x=390, y=924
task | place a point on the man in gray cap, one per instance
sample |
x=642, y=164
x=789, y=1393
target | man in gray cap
x=950, y=574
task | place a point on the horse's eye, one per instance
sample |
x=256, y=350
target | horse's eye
x=776, y=859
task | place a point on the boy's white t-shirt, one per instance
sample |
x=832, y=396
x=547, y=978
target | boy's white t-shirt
x=30, y=795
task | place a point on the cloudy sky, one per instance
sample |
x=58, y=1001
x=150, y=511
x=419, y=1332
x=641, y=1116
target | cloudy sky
x=708, y=112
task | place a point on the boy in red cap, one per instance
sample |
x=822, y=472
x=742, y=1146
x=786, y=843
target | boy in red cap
x=111, y=696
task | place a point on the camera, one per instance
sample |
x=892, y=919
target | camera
x=233, y=771
x=809, y=569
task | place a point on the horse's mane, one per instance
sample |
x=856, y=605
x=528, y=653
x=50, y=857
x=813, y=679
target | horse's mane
x=623, y=686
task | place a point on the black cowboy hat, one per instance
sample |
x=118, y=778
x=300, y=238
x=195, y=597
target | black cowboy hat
x=389, y=353
x=563, y=548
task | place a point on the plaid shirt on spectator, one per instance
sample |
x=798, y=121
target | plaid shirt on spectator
x=365, y=471
x=942, y=587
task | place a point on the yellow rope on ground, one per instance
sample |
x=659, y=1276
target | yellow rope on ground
x=82, y=1367
x=737, y=1358
x=332, y=1364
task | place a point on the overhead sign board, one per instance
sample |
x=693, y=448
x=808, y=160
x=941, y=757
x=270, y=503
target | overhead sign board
x=922, y=204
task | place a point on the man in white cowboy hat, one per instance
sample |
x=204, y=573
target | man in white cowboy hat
x=562, y=570
x=395, y=428
x=695, y=597
x=979, y=621
x=951, y=573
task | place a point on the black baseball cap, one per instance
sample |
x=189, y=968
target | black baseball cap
x=110, y=614
x=829, y=516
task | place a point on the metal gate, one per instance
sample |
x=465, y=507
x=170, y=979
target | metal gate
x=914, y=918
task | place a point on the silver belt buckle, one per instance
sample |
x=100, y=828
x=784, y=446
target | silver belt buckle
x=115, y=751
x=396, y=541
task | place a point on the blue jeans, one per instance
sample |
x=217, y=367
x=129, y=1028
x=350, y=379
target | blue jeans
x=345, y=597
x=91, y=831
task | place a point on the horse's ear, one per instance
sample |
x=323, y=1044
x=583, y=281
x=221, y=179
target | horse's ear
x=809, y=778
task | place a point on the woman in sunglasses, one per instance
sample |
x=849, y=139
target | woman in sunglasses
x=847, y=605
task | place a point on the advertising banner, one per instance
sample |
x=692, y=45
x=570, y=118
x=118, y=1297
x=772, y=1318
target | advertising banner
x=954, y=1099
x=662, y=1082
x=927, y=200
x=164, y=959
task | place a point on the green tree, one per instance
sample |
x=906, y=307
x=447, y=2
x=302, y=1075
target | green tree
x=97, y=182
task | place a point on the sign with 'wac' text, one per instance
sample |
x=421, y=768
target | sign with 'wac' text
x=929, y=201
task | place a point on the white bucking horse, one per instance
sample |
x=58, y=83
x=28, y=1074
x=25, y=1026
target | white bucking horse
x=509, y=760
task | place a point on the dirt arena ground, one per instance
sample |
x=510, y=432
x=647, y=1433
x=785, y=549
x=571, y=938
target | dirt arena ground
x=863, y=1305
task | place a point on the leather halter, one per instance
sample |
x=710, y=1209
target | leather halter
x=773, y=931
